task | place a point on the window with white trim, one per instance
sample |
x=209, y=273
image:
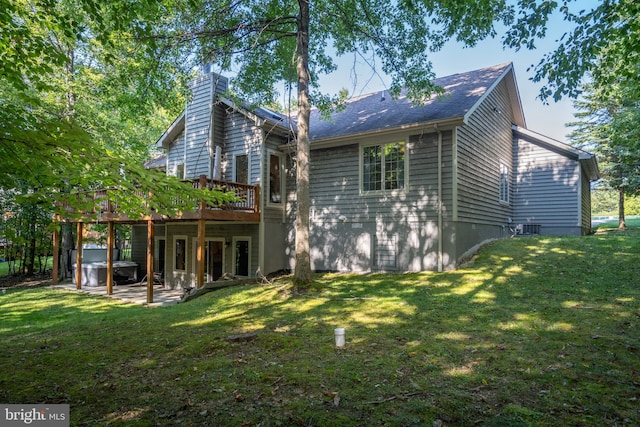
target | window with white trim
x=276, y=179
x=383, y=167
x=178, y=170
x=504, y=183
x=242, y=168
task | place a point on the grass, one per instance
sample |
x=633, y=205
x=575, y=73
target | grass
x=630, y=222
x=534, y=331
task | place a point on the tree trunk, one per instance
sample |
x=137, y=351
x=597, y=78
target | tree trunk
x=67, y=229
x=622, y=224
x=66, y=247
x=302, y=272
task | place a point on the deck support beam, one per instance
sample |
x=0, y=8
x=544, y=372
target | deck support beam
x=202, y=183
x=79, y=230
x=110, y=258
x=200, y=255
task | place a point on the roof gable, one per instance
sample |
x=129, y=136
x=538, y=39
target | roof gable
x=587, y=159
x=172, y=132
x=378, y=111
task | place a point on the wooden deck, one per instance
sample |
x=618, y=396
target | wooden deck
x=104, y=205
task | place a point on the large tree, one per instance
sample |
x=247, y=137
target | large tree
x=607, y=124
x=600, y=42
x=295, y=41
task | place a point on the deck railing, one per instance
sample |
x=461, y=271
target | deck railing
x=104, y=201
x=246, y=194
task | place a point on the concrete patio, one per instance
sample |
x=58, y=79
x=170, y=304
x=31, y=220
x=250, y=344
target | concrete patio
x=134, y=293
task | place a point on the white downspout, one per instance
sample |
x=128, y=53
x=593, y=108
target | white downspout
x=440, y=230
x=211, y=171
x=186, y=137
x=263, y=189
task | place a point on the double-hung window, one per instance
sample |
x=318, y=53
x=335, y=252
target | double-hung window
x=383, y=167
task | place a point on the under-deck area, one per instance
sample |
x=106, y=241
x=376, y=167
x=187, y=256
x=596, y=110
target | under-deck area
x=245, y=208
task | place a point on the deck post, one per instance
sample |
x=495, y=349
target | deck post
x=256, y=208
x=79, y=228
x=201, y=232
x=110, y=259
x=202, y=183
x=150, y=250
x=56, y=250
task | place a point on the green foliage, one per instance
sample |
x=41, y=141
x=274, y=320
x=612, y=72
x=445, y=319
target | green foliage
x=604, y=202
x=602, y=43
x=536, y=331
x=607, y=125
x=87, y=117
x=25, y=232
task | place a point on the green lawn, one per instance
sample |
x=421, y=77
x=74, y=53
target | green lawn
x=535, y=331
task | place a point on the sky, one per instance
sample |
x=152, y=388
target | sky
x=547, y=119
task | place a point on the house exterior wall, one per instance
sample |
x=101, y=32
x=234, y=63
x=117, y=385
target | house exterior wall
x=175, y=155
x=548, y=189
x=585, y=203
x=237, y=134
x=351, y=230
x=445, y=210
x=276, y=228
x=482, y=145
x=241, y=137
x=192, y=148
x=225, y=232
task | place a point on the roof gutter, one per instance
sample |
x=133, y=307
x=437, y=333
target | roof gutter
x=337, y=141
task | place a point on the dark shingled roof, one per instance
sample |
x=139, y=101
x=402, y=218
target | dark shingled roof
x=378, y=111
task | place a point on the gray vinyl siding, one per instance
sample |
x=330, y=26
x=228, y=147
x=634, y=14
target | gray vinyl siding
x=175, y=154
x=354, y=231
x=273, y=213
x=585, y=203
x=139, y=248
x=198, y=122
x=482, y=145
x=546, y=189
x=176, y=279
x=334, y=181
x=241, y=136
x=277, y=231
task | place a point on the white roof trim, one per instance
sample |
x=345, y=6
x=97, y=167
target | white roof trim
x=172, y=131
x=587, y=158
x=514, y=97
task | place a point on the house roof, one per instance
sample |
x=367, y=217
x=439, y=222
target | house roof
x=264, y=117
x=378, y=111
x=587, y=159
x=172, y=132
x=156, y=162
